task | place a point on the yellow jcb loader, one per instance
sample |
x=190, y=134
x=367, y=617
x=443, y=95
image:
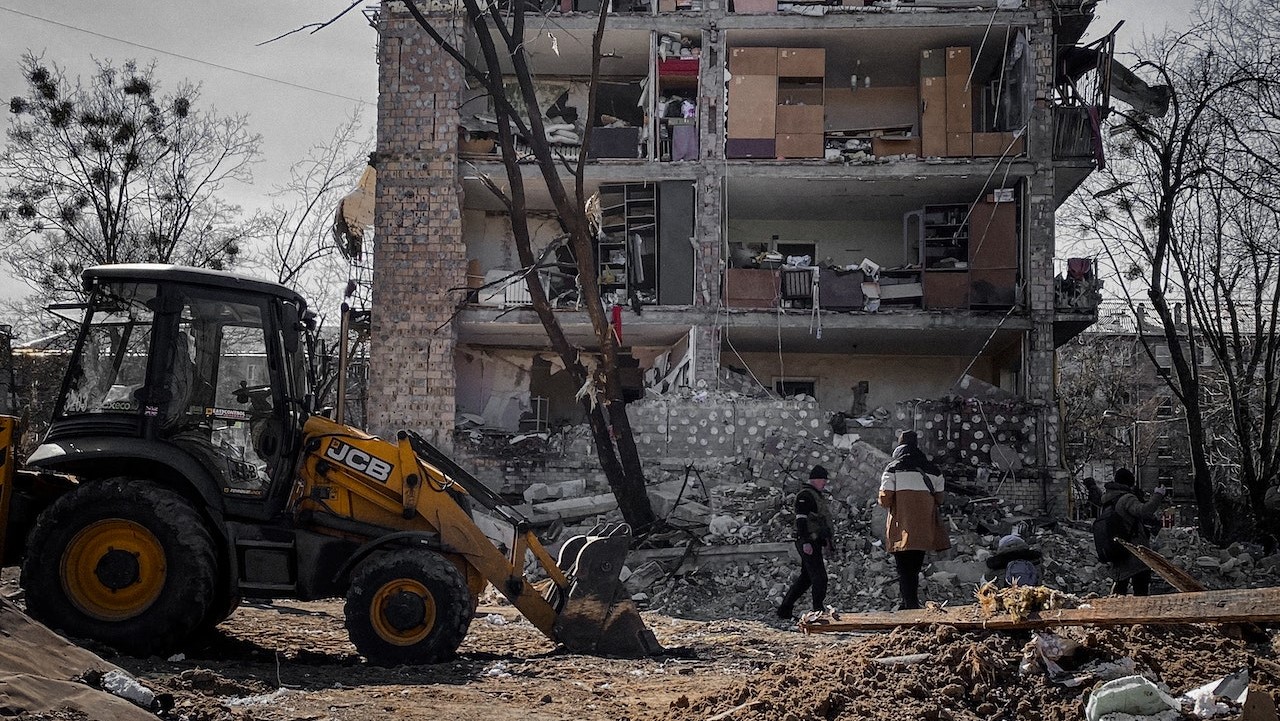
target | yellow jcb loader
x=185, y=468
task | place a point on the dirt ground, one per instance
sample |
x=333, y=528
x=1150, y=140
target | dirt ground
x=291, y=662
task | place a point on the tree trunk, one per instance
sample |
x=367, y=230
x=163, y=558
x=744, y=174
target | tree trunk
x=605, y=408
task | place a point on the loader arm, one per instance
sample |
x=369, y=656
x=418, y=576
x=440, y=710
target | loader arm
x=411, y=486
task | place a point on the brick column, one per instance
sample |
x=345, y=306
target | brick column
x=1041, y=226
x=708, y=220
x=418, y=250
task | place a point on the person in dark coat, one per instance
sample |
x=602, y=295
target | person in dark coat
x=813, y=537
x=1139, y=517
x=912, y=489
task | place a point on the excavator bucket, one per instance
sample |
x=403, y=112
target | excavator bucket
x=599, y=617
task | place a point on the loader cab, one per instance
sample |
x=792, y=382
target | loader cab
x=204, y=363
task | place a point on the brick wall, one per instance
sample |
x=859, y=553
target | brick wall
x=419, y=249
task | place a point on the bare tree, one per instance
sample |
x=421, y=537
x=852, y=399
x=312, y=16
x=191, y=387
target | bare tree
x=1187, y=208
x=1093, y=390
x=297, y=243
x=112, y=171
x=500, y=33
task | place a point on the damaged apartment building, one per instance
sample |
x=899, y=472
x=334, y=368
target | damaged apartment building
x=850, y=204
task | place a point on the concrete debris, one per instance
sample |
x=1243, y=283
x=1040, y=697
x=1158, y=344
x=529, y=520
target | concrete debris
x=571, y=510
x=692, y=558
x=548, y=491
x=748, y=506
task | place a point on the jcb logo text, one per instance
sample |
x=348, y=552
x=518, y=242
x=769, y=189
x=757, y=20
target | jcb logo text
x=357, y=460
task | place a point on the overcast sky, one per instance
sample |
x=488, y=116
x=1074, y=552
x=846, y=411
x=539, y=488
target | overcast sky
x=295, y=90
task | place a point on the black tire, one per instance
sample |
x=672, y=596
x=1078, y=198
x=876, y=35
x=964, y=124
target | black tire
x=121, y=561
x=406, y=607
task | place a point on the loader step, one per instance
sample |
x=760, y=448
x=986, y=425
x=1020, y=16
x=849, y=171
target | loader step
x=267, y=567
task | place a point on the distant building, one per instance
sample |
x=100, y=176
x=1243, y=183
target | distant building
x=1143, y=426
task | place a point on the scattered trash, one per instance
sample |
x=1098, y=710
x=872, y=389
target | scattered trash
x=177, y=657
x=127, y=687
x=1134, y=695
x=495, y=619
x=1047, y=649
x=497, y=670
x=1205, y=701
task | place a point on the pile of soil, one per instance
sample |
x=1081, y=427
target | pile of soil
x=975, y=675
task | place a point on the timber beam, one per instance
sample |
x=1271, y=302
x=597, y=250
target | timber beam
x=1243, y=605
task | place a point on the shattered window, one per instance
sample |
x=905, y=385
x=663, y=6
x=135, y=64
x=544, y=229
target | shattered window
x=108, y=372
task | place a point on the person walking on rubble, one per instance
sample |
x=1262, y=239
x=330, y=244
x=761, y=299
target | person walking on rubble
x=1134, y=518
x=813, y=538
x=912, y=489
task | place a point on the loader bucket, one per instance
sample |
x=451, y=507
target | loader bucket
x=598, y=616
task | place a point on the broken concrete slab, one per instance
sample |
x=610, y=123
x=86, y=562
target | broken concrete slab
x=644, y=576
x=537, y=492
x=569, y=510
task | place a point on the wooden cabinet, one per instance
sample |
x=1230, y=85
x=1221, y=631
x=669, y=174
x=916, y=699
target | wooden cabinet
x=993, y=236
x=969, y=253
x=993, y=254
x=751, y=288
x=946, y=289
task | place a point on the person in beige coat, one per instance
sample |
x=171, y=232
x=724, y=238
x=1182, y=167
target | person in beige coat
x=912, y=488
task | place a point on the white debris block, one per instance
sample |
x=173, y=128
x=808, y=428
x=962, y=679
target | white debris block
x=692, y=512
x=568, y=509
x=723, y=525
x=537, y=492
x=1132, y=695
x=127, y=687
x=844, y=441
x=644, y=576
x=568, y=489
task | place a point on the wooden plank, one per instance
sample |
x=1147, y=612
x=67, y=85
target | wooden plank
x=1251, y=605
x=1176, y=577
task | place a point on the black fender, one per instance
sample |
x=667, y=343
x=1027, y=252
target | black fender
x=399, y=538
x=106, y=457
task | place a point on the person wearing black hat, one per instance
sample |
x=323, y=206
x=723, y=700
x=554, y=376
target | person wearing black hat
x=1123, y=497
x=813, y=537
x=912, y=489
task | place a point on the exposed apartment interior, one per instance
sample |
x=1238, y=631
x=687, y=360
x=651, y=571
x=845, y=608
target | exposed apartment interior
x=850, y=202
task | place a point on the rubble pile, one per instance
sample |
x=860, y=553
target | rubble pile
x=940, y=673
x=862, y=576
